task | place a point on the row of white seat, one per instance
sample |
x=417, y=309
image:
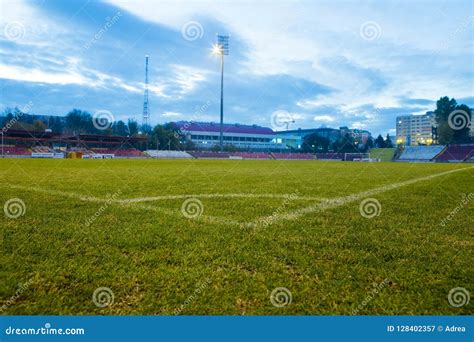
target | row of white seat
x=421, y=152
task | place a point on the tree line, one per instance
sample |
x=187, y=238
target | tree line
x=346, y=143
x=453, y=126
x=453, y=121
x=77, y=121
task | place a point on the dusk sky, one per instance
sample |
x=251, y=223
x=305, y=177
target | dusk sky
x=332, y=63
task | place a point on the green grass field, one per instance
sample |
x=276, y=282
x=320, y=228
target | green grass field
x=384, y=154
x=217, y=237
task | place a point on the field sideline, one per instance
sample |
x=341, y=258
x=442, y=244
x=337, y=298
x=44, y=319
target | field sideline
x=217, y=237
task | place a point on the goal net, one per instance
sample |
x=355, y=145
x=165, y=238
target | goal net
x=356, y=156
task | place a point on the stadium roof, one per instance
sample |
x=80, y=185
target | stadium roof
x=36, y=136
x=228, y=128
x=309, y=130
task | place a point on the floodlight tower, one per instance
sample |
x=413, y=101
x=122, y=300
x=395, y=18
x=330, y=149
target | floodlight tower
x=222, y=49
x=287, y=123
x=146, y=113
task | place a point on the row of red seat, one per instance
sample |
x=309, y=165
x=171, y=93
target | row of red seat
x=459, y=152
x=16, y=151
x=299, y=156
x=210, y=154
x=252, y=155
x=23, y=151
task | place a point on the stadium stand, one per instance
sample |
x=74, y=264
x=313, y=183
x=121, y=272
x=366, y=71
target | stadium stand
x=45, y=143
x=204, y=135
x=250, y=155
x=299, y=156
x=10, y=150
x=168, y=154
x=42, y=149
x=209, y=154
x=421, y=153
x=456, y=153
x=121, y=153
x=82, y=150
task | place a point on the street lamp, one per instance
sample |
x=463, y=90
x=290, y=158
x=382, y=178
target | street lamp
x=222, y=49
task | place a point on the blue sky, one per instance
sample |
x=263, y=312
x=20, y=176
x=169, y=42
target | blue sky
x=333, y=63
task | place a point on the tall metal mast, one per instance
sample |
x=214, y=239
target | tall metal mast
x=222, y=48
x=146, y=113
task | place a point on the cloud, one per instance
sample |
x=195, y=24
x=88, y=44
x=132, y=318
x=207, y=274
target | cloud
x=36, y=75
x=323, y=118
x=72, y=74
x=280, y=59
x=187, y=78
x=358, y=125
x=172, y=114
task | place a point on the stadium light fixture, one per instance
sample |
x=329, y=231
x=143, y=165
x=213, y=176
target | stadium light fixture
x=222, y=49
x=216, y=50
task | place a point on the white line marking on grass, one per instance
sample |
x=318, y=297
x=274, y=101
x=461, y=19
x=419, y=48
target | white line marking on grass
x=57, y=193
x=132, y=204
x=325, y=204
x=243, y=195
x=205, y=218
x=340, y=201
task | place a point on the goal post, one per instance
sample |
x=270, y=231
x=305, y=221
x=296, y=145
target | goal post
x=356, y=156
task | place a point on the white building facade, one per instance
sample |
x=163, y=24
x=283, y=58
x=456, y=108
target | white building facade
x=413, y=130
x=205, y=135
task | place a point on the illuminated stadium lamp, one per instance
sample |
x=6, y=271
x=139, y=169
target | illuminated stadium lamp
x=216, y=50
